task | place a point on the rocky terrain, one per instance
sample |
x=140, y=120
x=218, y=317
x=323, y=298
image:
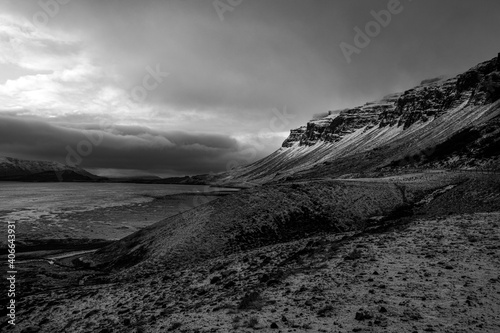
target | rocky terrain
x=265, y=215
x=431, y=266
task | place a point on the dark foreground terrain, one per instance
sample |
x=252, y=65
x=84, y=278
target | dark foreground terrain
x=409, y=253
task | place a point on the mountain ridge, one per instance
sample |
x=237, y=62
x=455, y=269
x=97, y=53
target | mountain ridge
x=414, y=122
x=13, y=169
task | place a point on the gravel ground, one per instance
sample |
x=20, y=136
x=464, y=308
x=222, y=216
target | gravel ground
x=428, y=275
x=434, y=270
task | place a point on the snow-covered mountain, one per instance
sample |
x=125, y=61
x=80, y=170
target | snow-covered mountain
x=26, y=170
x=442, y=123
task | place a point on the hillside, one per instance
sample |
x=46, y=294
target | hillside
x=257, y=217
x=429, y=266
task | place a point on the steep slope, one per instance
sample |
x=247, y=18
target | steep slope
x=441, y=123
x=13, y=169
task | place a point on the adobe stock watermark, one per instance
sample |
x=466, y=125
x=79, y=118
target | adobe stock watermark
x=84, y=148
x=11, y=271
x=138, y=93
x=281, y=120
x=420, y=156
x=278, y=123
x=222, y=6
x=50, y=9
x=372, y=29
x=150, y=82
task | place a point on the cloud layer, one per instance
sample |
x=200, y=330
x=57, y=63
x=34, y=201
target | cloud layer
x=121, y=147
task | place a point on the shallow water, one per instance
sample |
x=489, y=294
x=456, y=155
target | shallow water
x=45, y=197
x=88, y=209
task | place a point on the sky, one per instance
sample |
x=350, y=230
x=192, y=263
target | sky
x=185, y=87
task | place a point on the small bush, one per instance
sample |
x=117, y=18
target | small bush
x=354, y=255
x=252, y=322
x=236, y=322
x=472, y=238
x=252, y=300
x=175, y=326
x=325, y=311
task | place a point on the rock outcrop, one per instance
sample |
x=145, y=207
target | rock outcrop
x=426, y=102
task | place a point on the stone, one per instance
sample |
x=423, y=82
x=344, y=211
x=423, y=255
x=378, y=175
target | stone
x=363, y=314
x=215, y=279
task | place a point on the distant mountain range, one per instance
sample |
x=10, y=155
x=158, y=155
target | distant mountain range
x=13, y=169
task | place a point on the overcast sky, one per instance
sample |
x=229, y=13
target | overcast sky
x=176, y=87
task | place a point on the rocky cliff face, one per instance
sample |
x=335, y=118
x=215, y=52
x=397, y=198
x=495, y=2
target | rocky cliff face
x=441, y=123
x=426, y=102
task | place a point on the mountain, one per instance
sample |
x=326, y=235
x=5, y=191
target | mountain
x=186, y=180
x=443, y=123
x=12, y=169
x=366, y=219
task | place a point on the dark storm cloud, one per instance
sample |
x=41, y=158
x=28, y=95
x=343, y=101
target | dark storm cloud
x=270, y=53
x=118, y=147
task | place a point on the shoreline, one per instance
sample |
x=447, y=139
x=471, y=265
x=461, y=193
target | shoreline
x=90, y=230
